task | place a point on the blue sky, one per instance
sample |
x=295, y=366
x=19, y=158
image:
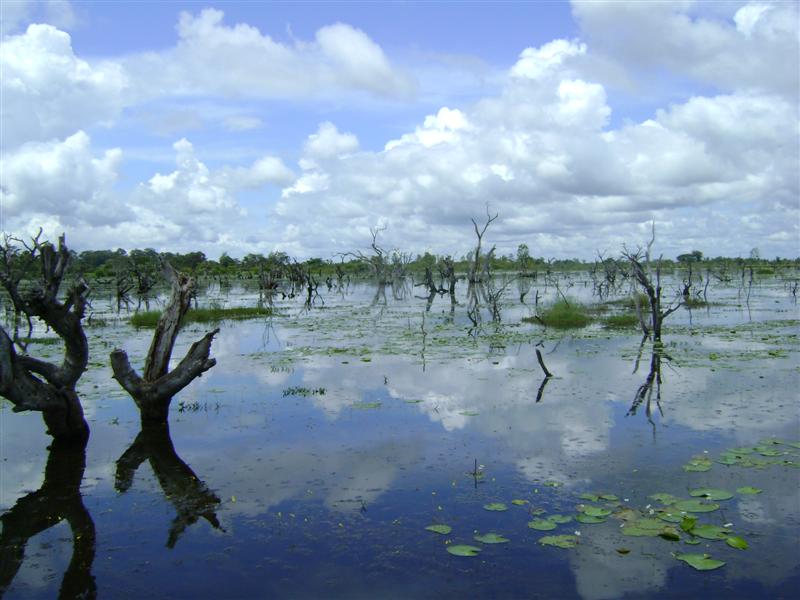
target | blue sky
x=251, y=127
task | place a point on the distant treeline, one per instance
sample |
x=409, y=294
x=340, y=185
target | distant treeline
x=109, y=263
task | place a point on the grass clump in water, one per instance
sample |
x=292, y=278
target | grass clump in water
x=565, y=315
x=694, y=302
x=49, y=341
x=621, y=321
x=149, y=319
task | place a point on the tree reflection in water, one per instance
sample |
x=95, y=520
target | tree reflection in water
x=59, y=499
x=650, y=390
x=188, y=494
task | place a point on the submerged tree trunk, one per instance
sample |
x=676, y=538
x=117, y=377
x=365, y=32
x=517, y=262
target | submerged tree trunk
x=34, y=384
x=153, y=391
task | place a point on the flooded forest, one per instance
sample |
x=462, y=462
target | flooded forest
x=382, y=425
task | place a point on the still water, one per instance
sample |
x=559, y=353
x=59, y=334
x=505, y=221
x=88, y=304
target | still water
x=309, y=461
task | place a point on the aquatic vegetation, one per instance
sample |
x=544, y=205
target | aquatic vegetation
x=711, y=494
x=621, y=321
x=491, y=538
x=463, y=550
x=559, y=541
x=701, y=562
x=149, y=319
x=441, y=529
x=565, y=315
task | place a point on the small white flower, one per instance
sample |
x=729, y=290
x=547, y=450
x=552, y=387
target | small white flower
x=648, y=506
x=728, y=525
x=578, y=533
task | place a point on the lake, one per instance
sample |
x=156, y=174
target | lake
x=310, y=460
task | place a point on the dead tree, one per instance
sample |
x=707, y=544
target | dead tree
x=59, y=499
x=154, y=389
x=30, y=383
x=447, y=271
x=640, y=270
x=378, y=263
x=474, y=275
x=188, y=494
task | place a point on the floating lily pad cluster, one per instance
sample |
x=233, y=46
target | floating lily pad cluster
x=766, y=453
x=671, y=518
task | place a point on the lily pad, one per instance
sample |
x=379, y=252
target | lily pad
x=443, y=529
x=519, y=502
x=365, y=405
x=664, y=498
x=770, y=452
x=469, y=413
x=559, y=541
x=463, y=550
x=698, y=464
x=589, y=497
x=710, y=532
x=542, y=524
x=559, y=519
x=495, y=506
x=711, y=494
x=688, y=523
x=669, y=533
x=734, y=541
x=491, y=538
x=670, y=517
x=644, y=528
x=595, y=511
x=553, y=483
x=748, y=490
x=701, y=562
x=695, y=506
x=589, y=519
x=610, y=497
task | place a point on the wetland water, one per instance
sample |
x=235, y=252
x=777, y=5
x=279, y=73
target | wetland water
x=310, y=460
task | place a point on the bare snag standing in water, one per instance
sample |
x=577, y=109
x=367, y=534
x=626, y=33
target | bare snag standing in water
x=28, y=382
x=153, y=391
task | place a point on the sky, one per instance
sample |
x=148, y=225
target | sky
x=300, y=127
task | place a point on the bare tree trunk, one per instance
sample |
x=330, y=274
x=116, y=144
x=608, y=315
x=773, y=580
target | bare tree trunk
x=153, y=391
x=474, y=268
x=34, y=384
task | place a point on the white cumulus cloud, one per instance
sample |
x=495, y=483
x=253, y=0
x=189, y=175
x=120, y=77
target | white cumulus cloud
x=49, y=92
